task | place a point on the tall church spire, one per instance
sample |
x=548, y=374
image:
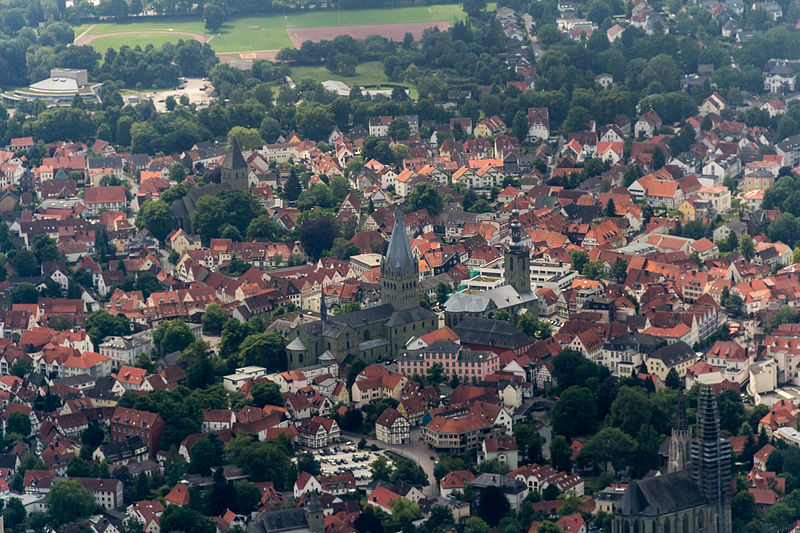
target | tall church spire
x=400, y=271
x=679, y=439
x=711, y=459
x=517, y=260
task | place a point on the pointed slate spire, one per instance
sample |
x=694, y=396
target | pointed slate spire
x=399, y=256
x=681, y=423
x=233, y=157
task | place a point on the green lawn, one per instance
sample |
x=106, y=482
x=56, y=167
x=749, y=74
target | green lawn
x=265, y=32
x=102, y=44
x=370, y=73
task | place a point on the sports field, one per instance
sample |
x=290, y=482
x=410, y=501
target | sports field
x=250, y=34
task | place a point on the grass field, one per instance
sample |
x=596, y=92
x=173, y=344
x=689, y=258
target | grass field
x=262, y=32
x=369, y=73
x=142, y=39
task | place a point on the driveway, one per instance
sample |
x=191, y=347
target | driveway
x=416, y=450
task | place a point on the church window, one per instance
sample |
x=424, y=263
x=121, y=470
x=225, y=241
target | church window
x=686, y=523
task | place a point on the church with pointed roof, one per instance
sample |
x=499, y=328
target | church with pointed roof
x=374, y=332
x=695, y=493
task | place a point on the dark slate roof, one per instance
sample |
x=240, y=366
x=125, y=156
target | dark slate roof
x=233, y=159
x=673, y=354
x=280, y=520
x=660, y=495
x=488, y=332
x=399, y=252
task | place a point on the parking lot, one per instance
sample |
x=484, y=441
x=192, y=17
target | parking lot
x=343, y=459
x=198, y=90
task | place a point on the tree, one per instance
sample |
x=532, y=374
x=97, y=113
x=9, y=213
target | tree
x=213, y=319
x=18, y=424
x=560, y=453
x=26, y=293
x=746, y=247
x=101, y=324
x=21, y=367
x=611, y=208
x=442, y=291
x=399, y=129
x=13, y=512
x=205, y=455
x=619, y=269
x=263, y=461
x=493, y=505
x=476, y=525
x=579, y=259
x=355, y=369
x=630, y=410
x=186, y=520
x=425, y=196
x=213, y=16
x=381, y=471
x=172, y=336
x=659, y=159
x=292, y=189
x=248, y=496
x=307, y=463
x=435, y=373
x=673, y=381
x=45, y=249
x=317, y=235
x=69, y=500
x=177, y=172
x=533, y=327
x=609, y=445
x=196, y=360
x=574, y=413
x=156, y=217
x=368, y=521
x=266, y=394
x=92, y=436
x=439, y=519
x=406, y=512
x=247, y=138
x=264, y=349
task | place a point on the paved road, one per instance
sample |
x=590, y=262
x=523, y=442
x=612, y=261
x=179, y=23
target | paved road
x=416, y=450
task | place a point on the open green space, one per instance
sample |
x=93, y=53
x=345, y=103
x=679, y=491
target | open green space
x=369, y=73
x=102, y=44
x=262, y=32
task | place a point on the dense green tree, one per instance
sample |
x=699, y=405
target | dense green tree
x=185, y=520
x=264, y=349
x=68, y=500
x=18, y=423
x=560, y=453
x=425, y=196
x=266, y=394
x=172, y=336
x=213, y=319
x=101, y=324
x=196, y=360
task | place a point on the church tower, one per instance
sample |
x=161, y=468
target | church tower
x=680, y=439
x=234, y=169
x=711, y=460
x=315, y=516
x=517, y=260
x=400, y=272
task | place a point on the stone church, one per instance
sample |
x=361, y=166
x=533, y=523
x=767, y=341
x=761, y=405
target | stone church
x=695, y=493
x=233, y=177
x=515, y=297
x=374, y=332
